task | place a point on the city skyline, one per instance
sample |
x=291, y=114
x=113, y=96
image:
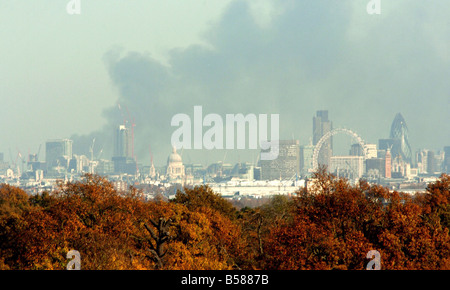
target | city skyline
x=123, y=144
x=294, y=158
x=232, y=57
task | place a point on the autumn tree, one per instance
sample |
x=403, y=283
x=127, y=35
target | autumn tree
x=330, y=224
x=225, y=233
x=336, y=224
x=203, y=196
x=256, y=224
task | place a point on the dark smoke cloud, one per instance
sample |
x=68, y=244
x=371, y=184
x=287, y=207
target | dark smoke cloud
x=302, y=62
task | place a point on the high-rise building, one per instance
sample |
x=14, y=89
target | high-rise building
x=58, y=153
x=426, y=161
x=376, y=167
x=306, y=158
x=431, y=162
x=123, y=162
x=321, y=126
x=286, y=166
x=122, y=142
x=356, y=150
x=401, y=148
x=104, y=167
x=446, y=163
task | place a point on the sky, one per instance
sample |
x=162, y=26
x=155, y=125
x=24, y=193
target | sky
x=63, y=76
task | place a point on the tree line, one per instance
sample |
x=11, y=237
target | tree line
x=329, y=225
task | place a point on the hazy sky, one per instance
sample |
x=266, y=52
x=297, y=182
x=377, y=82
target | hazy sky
x=62, y=75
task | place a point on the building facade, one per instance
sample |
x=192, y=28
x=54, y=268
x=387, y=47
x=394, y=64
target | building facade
x=286, y=166
x=351, y=167
x=306, y=159
x=446, y=163
x=58, y=153
x=175, y=168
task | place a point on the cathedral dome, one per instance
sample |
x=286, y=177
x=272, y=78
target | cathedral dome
x=174, y=157
x=175, y=167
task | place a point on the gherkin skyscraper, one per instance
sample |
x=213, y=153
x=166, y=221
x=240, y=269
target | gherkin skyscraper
x=399, y=134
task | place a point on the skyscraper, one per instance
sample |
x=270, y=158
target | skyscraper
x=306, y=158
x=446, y=164
x=123, y=163
x=321, y=126
x=401, y=148
x=58, y=152
x=122, y=142
x=426, y=161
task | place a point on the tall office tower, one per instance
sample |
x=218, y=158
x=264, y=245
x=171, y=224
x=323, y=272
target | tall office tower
x=321, y=126
x=446, y=164
x=401, y=148
x=58, y=153
x=431, y=162
x=286, y=166
x=123, y=163
x=306, y=158
x=122, y=142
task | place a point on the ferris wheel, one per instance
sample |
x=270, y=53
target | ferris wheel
x=332, y=133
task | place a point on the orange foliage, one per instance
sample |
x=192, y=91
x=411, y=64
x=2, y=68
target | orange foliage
x=331, y=225
x=337, y=224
